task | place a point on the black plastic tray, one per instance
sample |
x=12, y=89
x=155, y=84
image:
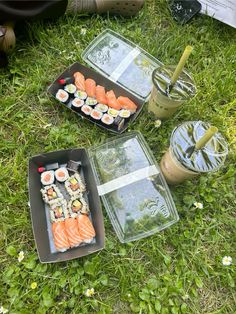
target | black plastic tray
x=37, y=206
x=100, y=80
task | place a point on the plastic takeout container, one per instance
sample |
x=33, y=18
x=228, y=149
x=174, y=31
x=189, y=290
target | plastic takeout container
x=124, y=173
x=123, y=62
x=119, y=65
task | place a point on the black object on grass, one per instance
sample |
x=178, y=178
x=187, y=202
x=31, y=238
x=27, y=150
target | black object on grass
x=184, y=10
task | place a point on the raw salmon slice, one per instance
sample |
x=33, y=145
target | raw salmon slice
x=60, y=236
x=72, y=231
x=126, y=103
x=90, y=87
x=86, y=229
x=112, y=101
x=101, y=95
x=79, y=81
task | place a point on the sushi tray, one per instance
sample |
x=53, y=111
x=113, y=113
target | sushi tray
x=65, y=207
x=113, y=93
x=96, y=98
x=65, y=189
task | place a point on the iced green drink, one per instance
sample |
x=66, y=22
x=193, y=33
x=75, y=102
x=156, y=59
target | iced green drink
x=164, y=102
x=177, y=165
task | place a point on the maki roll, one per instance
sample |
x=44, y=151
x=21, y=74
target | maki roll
x=113, y=112
x=77, y=104
x=86, y=109
x=107, y=119
x=77, y=205
x=58, y=212
x=47, y=177
x=61, y=174
x=70, y=88
x=74, y=185
x=80, y=94
x=86, y=228
x=60, y=236
x=91, y=101
x=119, y=122
x=97, y=115
x=124, y=113
x=101, y=107
x=62, y=96
x=51, y=194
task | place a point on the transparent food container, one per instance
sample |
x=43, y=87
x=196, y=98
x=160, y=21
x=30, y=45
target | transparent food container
x=122, y=62
x=134, y=192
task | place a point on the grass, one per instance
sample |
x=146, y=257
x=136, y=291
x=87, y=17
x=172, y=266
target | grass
x=178, y=270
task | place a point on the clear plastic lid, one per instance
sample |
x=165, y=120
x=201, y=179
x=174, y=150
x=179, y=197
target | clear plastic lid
x=122, y=62
x=134, y=192
x=209, y=158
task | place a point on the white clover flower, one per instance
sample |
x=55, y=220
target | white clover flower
x=3, y=310
x=83, y=31
x=21, y=256
x=198, y=205
x=129, y=295
x=89, y=292
x=227, y=260
x=157, y=123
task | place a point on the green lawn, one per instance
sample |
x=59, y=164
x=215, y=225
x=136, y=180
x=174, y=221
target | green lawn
x=179, y=270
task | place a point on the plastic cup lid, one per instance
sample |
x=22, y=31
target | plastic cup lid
x=209, y=158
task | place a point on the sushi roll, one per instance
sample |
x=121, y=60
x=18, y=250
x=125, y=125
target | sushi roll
x=86, y=109
x=91, y=101
x=101, y=107
x=72, y=231
x=124, y=113
x=70, y=88
x=119, y=122
x=51, y=194
x=74, y=185
x=58, y=212
x=60, y=236
x=113, y=112
x=97, y=115
x=47, y=177
x=86, y=228
x=77, y=205
x=77, y=104
x=80, y=94
x=107, y=119
x=61, y=174
x=62, y=96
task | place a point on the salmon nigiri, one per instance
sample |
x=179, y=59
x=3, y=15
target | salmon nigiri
x=60, y=236
x=79, y=81
x=90, y=87
x=112, y=101
x=86, y=229
x=101, y=95
x=72, y=231
x=126, y=103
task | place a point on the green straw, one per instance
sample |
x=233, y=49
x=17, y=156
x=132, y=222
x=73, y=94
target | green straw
x=180, y=67
x=206, y=137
